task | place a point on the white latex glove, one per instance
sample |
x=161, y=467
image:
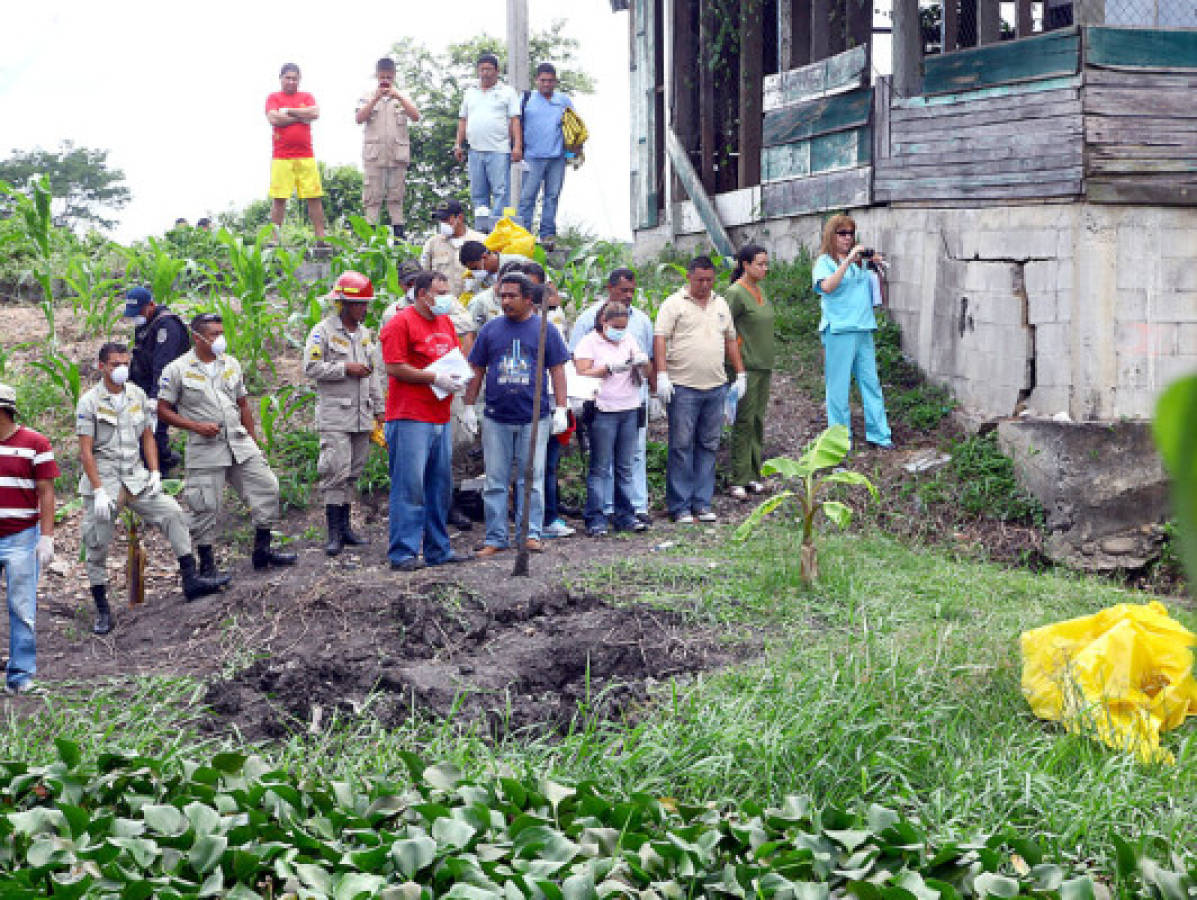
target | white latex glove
x=104, y=504
x=618, y=368
x=154, y=485
x=656, y=410
x=450, y=382
x=44, y=551
x=469, y=421
x=664, y=388
x=639, y=358
x=560, y=420
x=740, y=386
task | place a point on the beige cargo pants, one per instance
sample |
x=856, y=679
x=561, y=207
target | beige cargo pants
x=253, y=481
x=157, y=509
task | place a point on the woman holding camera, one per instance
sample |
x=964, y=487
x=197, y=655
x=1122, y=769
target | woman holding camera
x=612, y=354
x=845, y=288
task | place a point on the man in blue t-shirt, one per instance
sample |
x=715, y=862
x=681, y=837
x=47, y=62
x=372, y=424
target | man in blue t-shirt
x=544, y=152
x=505, y=355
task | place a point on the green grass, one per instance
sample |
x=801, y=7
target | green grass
x=894, y=680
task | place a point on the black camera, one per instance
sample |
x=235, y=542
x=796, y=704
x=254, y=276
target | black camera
x=867, y=253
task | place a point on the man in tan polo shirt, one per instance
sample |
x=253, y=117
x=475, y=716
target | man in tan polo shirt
x=692, y=338
x=386, y=152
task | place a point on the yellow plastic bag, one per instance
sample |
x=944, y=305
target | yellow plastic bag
x=508, y=237
x=1123, y=675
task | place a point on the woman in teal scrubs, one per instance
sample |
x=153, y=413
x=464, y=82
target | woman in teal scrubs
x=845, y=288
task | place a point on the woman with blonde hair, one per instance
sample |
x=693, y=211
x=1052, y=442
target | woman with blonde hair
x=845, y=290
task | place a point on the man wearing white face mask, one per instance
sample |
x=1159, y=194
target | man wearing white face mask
x=203, y=393
x=419, y=435
x=442, y=249
x=112, y=423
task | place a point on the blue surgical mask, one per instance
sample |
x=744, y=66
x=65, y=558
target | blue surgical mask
x=616, y=334
x=442, y=306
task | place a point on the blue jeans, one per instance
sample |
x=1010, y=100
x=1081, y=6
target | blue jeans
x=551, y=174
x=489, y=174
x=613, y=437
x=421, y=483
x=638, y=493
x=849, y=354
x=552, y=457
x=505, y=453
x=18, y=556
x=695, y=424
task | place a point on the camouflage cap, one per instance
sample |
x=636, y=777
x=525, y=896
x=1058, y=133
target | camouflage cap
x=8, y=397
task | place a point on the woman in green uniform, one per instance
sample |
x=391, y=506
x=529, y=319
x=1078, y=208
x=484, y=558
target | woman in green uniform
x=753, y=317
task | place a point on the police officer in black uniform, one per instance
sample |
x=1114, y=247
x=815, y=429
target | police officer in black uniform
x=159, y=338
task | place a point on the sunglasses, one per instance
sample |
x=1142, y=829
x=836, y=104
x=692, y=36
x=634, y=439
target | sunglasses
x=845, y=233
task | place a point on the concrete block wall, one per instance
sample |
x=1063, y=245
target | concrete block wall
x=1069, y=307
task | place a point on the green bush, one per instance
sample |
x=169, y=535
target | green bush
x=987, y=485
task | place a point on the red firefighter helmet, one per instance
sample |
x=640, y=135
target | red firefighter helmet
x=352, y=286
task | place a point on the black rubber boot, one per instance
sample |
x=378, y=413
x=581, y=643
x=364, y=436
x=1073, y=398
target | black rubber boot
x=459, y=519
x=348, y=535
x=399, y=232
x=264, y=557
x=336, y=538
x=99, y=593
x=196, y=585
x=207, y=566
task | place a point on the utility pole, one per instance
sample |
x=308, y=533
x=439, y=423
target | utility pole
x=517, y=77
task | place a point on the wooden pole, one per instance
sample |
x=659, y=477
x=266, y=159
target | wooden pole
x=517, y=77
x=989, y=22
x=907, y=49
x=950, y=26
x=644, y=115
x=1024, y=25
x=682, y=99
x=751, y=72
x=859, y=22
x=820, y=30
x=799, y=34
x=521, y=534
x=707, y=31
x=785, y=35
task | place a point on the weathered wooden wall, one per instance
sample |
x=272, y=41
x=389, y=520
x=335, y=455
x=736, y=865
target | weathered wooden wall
x=1140, y=106
x=817, y=136
x=1000, y=122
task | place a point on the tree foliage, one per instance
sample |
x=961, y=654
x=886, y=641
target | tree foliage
x=81, y=182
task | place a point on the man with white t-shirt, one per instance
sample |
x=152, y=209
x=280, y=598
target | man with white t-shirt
x=490, y=120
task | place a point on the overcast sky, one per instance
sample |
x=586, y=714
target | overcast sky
x=175, y=92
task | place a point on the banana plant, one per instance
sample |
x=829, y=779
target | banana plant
x=826, y=451
x=1176, y=438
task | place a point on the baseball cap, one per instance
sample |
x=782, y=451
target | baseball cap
x=135, y=299
x=8, y=397
x=447, y=209
x=407, y=271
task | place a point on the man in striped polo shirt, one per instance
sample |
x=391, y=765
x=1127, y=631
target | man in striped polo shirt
x=27, y=473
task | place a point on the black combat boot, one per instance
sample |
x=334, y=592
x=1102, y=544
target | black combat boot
x=99, y=593
x=336, y=537
x=196, y=585
x=348, y=535
x=264, y=557
x=399, y=232
x=207, y=566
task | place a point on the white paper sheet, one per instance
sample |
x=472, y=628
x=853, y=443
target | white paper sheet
x=453, y=362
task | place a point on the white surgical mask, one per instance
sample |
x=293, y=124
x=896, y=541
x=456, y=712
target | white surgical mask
x=220, y=345
x=120, y=375
x=442, y=305
x=445, y=229
x=138, y=321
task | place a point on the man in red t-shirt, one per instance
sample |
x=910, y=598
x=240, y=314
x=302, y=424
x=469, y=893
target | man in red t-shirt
x=419, y=436
x=27, y=473
x=293, y=164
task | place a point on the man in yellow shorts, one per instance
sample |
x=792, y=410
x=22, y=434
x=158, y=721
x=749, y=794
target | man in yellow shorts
x=293, y=166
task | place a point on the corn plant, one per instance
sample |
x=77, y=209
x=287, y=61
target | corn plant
x=62, y=372
x=252, y=322
x=275, y=410
x=824, y=452
x=36, y=219
x=96, y=299
x=159, y=268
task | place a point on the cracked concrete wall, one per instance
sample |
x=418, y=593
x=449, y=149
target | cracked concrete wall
x=1071, y=307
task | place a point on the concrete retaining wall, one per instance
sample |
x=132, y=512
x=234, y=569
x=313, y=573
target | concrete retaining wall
x=1073, y=307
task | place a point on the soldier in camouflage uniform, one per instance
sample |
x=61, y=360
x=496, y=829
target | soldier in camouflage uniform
x=112, y=421
x=203, y=393
x=342, y=356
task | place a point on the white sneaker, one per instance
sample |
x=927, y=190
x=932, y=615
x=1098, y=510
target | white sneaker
x=707, y=516
x=737, y=492
x=557, y=529
x=683, y=519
